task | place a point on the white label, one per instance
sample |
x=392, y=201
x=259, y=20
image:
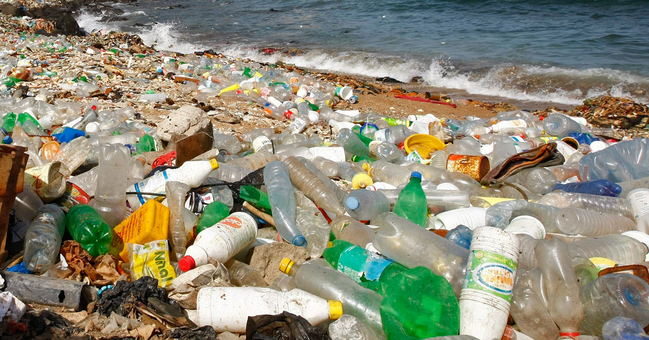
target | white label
x=380, y=135
x=260, y=142
x=334, y=153
x=298, y=125
x=236, y=233
x=640, y=203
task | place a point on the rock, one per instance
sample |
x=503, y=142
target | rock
x=67, y=24
x=266, y=258
x=187, y=121
x=9, y=10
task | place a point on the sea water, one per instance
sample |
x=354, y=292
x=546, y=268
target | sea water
x=552, y=51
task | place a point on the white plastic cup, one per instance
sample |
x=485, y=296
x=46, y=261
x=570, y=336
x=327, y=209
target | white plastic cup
x=639, y=199
x=470, y=217
x=527, y=225
x=345, y=92
x=487, y=291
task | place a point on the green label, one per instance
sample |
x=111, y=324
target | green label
x=491, y=273
x=361, y=265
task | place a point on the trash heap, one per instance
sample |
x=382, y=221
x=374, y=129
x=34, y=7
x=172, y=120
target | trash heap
x=331, y=224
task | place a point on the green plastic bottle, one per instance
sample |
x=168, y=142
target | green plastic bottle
x=89, y=229
x=256, y=197
x=24, y=117
x=411, y=203
x=145, y=144
x=417, y=302
x=212, y=214
x=8, y=122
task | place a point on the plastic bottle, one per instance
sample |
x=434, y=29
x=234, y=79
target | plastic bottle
x=639, y=200
x=627, y=186
x=365, y=204
x=88, y=228
x=213, y=213
x=575, y=221
x=43, y=238
x=394, y=134
x=313, y=226
x=227, y=309
x=221, y=241
x=254, y=161
x=350, y=230
x=345, y=171
x=564, y=305
x=412, y=246
x=176, y=193
x=26, y=205
x=500, y=214
x=317, y=277
x=331, y=185
x=387, y=151
x=352, y=144
x=282, y=201
x=529, y=311
x=350, y=328
x=509, y=127
x=382, y=171
x=621, y=328
x=110, y=196
x=603, y=204
x=624, y=161
x=614, y=295
x=244, y=275
x=560, y=125
x=486, y=294
x=312, y=186
x=329, y=168
x=460, y=235
x=192, y=173
x=230, y=173
x=598, y=187
x=449, y=199
x=623, y=249
x=411, y=203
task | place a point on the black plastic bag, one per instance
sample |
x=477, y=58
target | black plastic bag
x=285, y=326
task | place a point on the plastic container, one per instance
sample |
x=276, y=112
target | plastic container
x=560, y=125
x=26, y=205
x=624, y=161
x=449, y=199
x=530, y=312
x=622, y=249
x=412, y=246
x=176, y=193
x=331, y=185
x=148, y=223
x=470, y=217
x=313, y=187
x=365, y=204
x=604, y=204
x=639, y=200
x=282, y=201
x=242, y=274
x=382, y=171
x=192, y=173
x=221, y=241
x=110, y=196
x=526, y=225
x=43, y=238
x=317, y=277
x=394, y=134
x=352, y=143
x=314, y=227
x=213, y=213
x=425, y=145
x=411, y=203
x=575, y=221
x=486, y=295
x=350, y=328
x=386, y=151
x=621, y=328
x=227, y=309
x=89, y=229
x=350, y=230
x=614, y=295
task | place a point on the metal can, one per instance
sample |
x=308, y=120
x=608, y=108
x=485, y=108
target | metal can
x=474, y=166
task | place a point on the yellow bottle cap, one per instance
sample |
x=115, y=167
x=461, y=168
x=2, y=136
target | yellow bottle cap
x=214, y=164
x=330, y=244
x=367, y=167
x=335, y=309
x=286, y=265
x=361, y=181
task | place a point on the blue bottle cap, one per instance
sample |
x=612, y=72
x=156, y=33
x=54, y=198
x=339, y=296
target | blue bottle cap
x=299, y=241
x=352, y=203
x=415, y=174
x=7, y=140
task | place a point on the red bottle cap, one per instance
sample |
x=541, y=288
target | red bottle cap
x=187, y=263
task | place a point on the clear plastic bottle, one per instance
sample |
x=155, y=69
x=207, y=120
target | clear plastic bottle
x=176, y=193
x=26, y=205
x=622, y=249
x=624, y=161
x=621, y=328
x=564, y=305
x=74, y=154
x=412, y=246
x=394, y=134
x=352, y=143
x=603, y=204
x=317, y=277
x=340, y=193
x=387, y=151
x=244, y=275
x=560, y=125
x=43, y=238
x=614, y=295
x=575, y=221
x=639, y=201
x=350, y=230
x=350, y=328
x=110, y=197
x=365, y=204
x=228, y=308
x=230, y=173
x=449, y=199
x=328, y=167
x=529, y=311
x=313, y=187
x=500, y=214
x=383, y=171
x=254, y=161
x=192, y=173
x=229, y=143
x=282, y=201
x=312, y=224
x=345, y=171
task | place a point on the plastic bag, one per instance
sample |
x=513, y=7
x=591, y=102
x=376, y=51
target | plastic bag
x=152, y=259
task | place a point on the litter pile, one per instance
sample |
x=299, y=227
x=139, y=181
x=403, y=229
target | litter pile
x=303, y=217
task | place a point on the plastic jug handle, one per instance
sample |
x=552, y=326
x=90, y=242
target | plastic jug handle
x=637, y=269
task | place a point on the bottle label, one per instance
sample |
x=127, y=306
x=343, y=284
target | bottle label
x=260, y=142
x=361, y=265
x=153, y=184
x=235, y=234
x=381, y=135
x=491, y=273
x=640, y=203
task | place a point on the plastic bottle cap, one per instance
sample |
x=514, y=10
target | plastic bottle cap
x=367, y=167
x=361, y=181
x=639, y=236
x=186, y=263
x=214, y=164
x=330, y=244
x=299, y=241
x=415, y=174
x=352, y=203
x=335, y=310
x=286, y=265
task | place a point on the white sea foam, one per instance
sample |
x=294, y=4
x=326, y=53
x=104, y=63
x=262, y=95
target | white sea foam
x=90, y=23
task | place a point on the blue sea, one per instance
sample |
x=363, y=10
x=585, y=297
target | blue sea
x=546, y=51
